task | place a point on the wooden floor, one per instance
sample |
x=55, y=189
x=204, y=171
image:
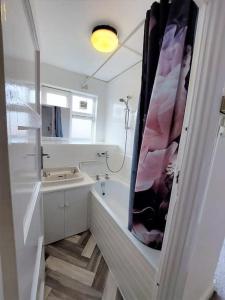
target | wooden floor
x=76, y=270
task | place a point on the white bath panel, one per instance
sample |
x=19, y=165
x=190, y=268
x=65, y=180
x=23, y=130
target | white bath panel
x=135, y=274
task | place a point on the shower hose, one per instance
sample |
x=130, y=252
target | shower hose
x=126, y=123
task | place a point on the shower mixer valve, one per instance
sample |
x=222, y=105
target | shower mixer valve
x=102, y=176
x=101, y=154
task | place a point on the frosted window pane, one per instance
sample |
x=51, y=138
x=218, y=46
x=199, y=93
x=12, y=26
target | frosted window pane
x=83, y=105
x=81, y=129
x=32, y=96
x=56, y=100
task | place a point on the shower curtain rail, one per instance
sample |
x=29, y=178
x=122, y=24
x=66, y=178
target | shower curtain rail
x=117, y=49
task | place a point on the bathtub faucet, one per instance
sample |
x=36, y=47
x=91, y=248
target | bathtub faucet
x=103, y=154
x=98, y=176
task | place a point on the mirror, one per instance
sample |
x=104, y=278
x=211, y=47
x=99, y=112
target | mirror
x=55, y=121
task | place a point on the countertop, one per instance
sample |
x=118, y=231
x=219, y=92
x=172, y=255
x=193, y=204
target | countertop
x=87, y=180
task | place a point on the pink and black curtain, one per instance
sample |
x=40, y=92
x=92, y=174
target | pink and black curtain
x=167, y=55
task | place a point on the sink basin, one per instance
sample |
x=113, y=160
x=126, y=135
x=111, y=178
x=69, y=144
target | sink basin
x=61, y=176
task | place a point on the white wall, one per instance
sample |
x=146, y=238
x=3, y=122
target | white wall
x=110, y=125
x=128, y=83
x=68, y=155
x=110, y=112
x=51, y=75
x=55, y=76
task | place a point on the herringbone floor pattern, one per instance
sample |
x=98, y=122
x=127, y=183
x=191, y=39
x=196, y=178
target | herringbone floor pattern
x=76, y=270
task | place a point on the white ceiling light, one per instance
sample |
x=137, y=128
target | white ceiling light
x=104, y=38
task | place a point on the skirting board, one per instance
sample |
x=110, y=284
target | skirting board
x=208, y=293
x=30, y=210
x=37, y=269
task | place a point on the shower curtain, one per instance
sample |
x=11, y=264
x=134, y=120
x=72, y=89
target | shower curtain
x=167, y=53
x=58, y=122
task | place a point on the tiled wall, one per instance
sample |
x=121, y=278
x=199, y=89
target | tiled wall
x=62, y=155
x=128, y=84
x=125, y=85
x=85, y=156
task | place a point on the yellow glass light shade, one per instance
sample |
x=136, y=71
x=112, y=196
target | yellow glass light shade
x=104, y=40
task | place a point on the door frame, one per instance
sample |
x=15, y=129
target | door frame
x=198, y=140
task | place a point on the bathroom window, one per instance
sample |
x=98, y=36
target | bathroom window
x=56, y=100
x=83, y=105
x=78, y=113
x=82, y=129
x=83, y=118
x=55, y=97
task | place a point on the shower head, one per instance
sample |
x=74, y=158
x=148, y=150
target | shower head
x=125, y=100
x=127, y=111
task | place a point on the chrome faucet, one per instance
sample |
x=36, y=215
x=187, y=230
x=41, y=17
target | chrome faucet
x=45, y=173
x=106, y=176
x=43, y=155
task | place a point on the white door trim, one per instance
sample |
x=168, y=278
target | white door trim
x=196, y=149
x=7, y=240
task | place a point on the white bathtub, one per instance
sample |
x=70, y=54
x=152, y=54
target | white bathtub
x=133, y=264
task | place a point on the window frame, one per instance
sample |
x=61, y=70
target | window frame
x=47, y=89
x=69, y=94
x=85, y=116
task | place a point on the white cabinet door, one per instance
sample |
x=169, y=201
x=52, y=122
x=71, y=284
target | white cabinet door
x=20, y=123
x=76, y=210
x=54, y=216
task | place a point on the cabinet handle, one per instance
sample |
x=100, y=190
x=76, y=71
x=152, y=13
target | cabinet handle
x=61, y=205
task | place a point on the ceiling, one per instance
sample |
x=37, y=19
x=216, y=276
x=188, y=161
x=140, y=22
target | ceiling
x=14, y=17
x=65, y=26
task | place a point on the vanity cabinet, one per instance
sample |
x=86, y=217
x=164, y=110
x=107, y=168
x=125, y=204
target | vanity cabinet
x=76, y=211
x=53, y=216
x=65, y=213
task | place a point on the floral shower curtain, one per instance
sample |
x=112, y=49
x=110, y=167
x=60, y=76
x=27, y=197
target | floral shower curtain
x=167, y=54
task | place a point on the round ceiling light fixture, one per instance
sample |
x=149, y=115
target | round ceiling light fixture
x=104, y=38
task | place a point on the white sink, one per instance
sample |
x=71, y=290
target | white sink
x=59, y=176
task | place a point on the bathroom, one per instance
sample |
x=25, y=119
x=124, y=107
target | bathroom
x=80, y=154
